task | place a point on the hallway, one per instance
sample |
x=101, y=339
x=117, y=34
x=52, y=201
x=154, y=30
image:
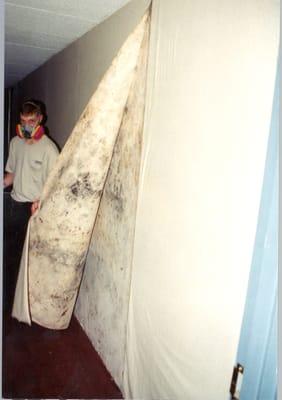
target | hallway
x=43, y=363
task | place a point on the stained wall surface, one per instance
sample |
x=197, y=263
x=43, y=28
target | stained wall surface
x=60, y=230
x=102, y=306
x=211, y=85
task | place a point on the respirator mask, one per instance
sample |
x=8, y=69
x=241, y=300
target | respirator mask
x=26, y=131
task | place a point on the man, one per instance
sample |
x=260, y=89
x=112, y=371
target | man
x=31, y=156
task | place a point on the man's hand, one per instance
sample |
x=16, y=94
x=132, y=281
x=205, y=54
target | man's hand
x=8, y=179
x=34, y=206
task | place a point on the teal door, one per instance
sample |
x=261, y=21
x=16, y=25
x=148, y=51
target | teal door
x=257, y=351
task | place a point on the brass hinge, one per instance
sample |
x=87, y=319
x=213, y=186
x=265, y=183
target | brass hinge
x=236, y=382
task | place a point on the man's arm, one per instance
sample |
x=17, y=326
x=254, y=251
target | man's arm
x=8, y=179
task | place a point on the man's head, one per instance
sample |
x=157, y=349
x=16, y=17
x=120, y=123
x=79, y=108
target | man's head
x=31, y=117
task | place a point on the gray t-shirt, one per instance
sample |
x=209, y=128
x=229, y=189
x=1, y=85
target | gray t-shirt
x=30, y=163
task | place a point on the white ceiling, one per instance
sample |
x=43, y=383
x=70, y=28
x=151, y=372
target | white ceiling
x=35, y=30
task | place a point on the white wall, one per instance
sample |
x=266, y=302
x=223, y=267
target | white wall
x=210, y=94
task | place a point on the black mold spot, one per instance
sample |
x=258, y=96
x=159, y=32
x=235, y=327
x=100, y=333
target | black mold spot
x=55, y=296
x=74, y=188
x=115, y=195
x=55, y=254
x=82, y=188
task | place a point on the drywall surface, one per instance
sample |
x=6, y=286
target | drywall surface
x=60, y=231
x=102, y=306
x=210, y=90
x=68, y=80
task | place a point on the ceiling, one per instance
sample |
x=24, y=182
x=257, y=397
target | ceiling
x=35, y=30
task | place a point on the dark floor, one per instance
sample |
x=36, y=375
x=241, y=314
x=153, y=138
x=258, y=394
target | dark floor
x=40, y=363
x=43, y=363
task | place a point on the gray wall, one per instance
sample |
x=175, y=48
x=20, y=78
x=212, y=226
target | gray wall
x=67, y=81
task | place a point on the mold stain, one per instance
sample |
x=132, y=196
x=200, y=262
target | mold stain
x=82, y=188
x=115, y=196
x=55, y=255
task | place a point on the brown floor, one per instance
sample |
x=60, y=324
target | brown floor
x=43, y=363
